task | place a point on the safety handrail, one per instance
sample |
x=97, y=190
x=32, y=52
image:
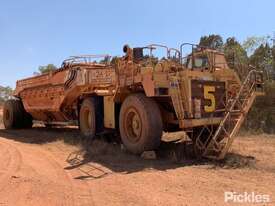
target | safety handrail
x=184, y=44
x=84, y=59
x=177, y=52
x=152, y=46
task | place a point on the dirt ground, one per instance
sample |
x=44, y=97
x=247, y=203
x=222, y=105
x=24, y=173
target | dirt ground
x=50, y=167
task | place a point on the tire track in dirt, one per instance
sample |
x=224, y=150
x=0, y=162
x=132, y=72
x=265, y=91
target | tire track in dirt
x=5, y=159
x=13, y=163
x=53, y=175
x=81, y=188
x=39, y=176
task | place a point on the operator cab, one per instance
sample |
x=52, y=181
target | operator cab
x=197, y=62
x=205, y=59
x=138, y=54
x=201, y=58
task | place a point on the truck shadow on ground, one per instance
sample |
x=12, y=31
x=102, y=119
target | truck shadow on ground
x=42, y=135
x=105, y=155
x=94, y=160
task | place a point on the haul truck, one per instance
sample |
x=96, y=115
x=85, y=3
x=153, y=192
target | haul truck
x=141, y=95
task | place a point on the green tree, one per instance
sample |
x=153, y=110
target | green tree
x=236, y=56
x=262, y=57
x=234, y=52
x=105, y=60
x=213, y=41
x=262, y=115
x=253, y=42
x=5, y=93
x=47, y=68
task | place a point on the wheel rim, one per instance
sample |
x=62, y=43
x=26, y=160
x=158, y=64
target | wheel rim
x=7, y=115
x=89, y=116
x=133, y=125
x=88, y=122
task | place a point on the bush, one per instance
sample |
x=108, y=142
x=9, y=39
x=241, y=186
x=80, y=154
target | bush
x=262, y=115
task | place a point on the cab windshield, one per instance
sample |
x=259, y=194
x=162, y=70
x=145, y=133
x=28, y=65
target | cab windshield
x=199, y=62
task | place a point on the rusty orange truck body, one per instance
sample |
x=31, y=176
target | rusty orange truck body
x=140, y=96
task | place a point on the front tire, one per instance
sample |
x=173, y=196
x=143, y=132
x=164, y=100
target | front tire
x=140, y=124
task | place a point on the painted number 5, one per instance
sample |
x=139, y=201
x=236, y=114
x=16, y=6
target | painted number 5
x=209, y=95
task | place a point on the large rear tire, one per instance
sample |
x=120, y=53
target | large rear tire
x=140, y=124
x=90, y=117
x=15, y=116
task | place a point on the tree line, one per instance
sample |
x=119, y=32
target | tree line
x=256, y=51
x=5, y=93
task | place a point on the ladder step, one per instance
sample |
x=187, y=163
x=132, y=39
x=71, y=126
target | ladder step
x=236, y=111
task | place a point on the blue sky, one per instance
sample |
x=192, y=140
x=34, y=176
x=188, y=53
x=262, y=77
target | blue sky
x=35, y=32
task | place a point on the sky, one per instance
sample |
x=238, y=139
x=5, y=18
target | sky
x=36, y=32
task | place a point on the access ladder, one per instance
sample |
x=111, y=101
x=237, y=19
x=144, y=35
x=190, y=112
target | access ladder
x=236, y=110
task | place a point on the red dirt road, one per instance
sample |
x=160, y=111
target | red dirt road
x=45, y=167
